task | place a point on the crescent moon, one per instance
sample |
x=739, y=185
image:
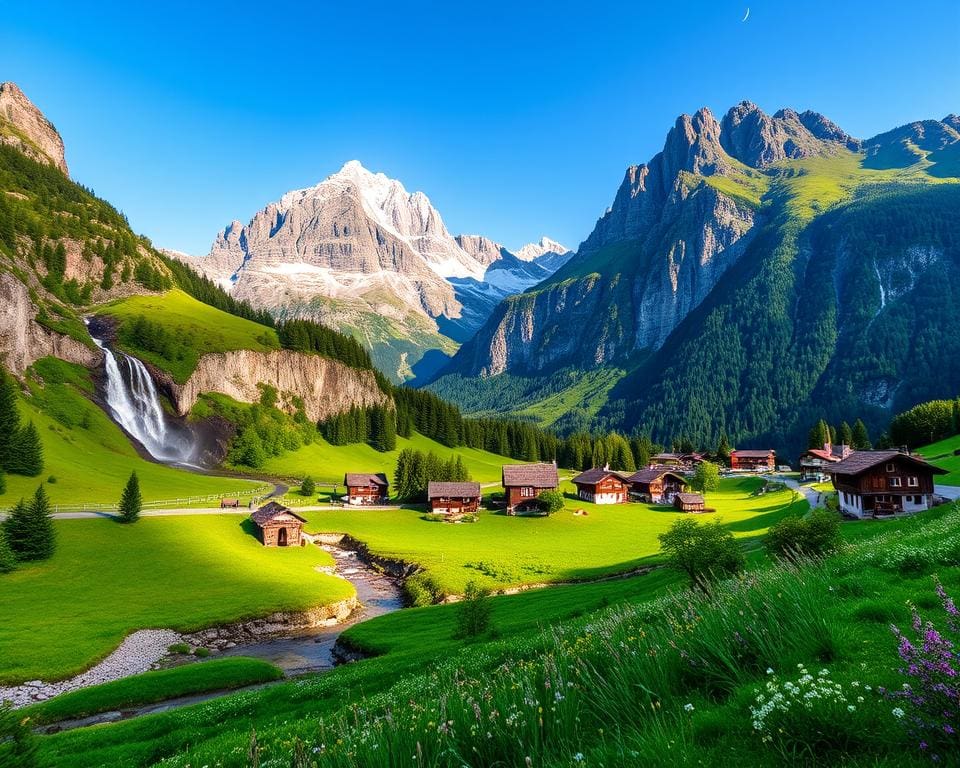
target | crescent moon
x=746, y=15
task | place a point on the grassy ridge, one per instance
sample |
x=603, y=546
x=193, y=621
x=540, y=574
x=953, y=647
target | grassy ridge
x=151, y=687
x=942, y=454
x=198, y=329
x=107, y=580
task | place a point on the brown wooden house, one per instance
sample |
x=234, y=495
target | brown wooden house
x=689, y=502
x=753, y=461
x=453, y=498
x=602, y=486
x=871, y=483
x=278, y=526
x=814, y=461
x=366, y=488
x=522, y=484
x=656, y=486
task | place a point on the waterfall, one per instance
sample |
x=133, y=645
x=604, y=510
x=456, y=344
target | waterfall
x=135, y=405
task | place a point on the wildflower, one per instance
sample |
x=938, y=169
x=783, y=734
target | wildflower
x=688, y=707
x=769, y=670
x=898, y=713
x=578, y=758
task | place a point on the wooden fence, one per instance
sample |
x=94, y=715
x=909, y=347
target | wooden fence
x=257, y=493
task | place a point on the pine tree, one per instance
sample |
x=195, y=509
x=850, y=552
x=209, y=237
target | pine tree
x=9, y=418
x=860, y=437
x=846, y=434
x=723, y=448
x=27, y=453
x=29, y=529
x=131, y=502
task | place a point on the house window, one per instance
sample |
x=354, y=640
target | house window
x=894, y=482
x=526, y=492
x=891, y=467
x=913, y=482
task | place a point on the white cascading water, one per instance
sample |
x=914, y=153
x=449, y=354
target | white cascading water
x=135, y=405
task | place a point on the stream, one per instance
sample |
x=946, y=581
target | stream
x=298, y=653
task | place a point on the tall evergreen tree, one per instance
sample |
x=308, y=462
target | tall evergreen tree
x=27, y=456
x=9, y=418
x=861, y=438
x=8, y=558
x=846, y=434
x=131, y=502
x=29, y=529
x=723, y=448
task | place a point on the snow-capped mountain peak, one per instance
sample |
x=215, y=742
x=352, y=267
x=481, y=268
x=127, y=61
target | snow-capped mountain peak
x=533, y=251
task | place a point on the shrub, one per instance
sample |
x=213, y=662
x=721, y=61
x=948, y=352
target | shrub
x=706, y=477
x=813, y=536
x=201, y=652
x=550, y=501
x=8, y=559
x=308, y=487
x=702, y=551
x=473, y=612
x=18, y=748
x=181, y=648
x=422, y=589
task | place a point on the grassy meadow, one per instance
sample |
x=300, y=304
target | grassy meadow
x=942, y=454
x=197, y=328
x=501, y=551
x=106, y=580
x=681, y=673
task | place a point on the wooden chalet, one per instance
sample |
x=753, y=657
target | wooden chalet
x=523, y=483
x=278, y=526
x=656, y=486
x=602, y=486
x=753, y=461
x=871, y=483
x=366, y=488
x=814, y=461
x=453, y=498
x=674, y=460
x=689, y=502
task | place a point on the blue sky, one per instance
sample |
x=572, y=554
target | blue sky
x=517, y=119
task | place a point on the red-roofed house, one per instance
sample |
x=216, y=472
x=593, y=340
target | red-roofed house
x=814, y=461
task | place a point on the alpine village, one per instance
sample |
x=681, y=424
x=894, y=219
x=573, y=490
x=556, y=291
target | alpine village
x=347, y=490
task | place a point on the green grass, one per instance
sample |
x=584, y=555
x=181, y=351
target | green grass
x=88, y=454
x=587, y=397
x=327, y=463
x=151, y=687
x=184, y=573
x=942, y=455
x=501, y=551
x=198, y=328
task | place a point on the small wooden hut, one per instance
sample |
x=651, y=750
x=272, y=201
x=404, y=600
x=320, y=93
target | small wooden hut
x=278, y=526
x=688, y=502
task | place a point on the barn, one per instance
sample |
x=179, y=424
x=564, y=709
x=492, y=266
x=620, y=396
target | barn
x=278, y=526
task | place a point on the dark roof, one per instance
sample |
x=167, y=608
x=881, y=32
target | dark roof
x=751, y=454
x=437, y=489
x=365, y=478
x=860, y=461
x=649, y=475
x=595, y=475
x=690, y=498
x=271, y=510
x=536, y=475
x=673, y=456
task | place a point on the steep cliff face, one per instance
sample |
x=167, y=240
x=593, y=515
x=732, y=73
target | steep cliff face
x=325, y=386
x=23, y=340
x=24, y=126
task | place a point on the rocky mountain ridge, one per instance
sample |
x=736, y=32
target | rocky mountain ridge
x=25, y=127
x=360, y=253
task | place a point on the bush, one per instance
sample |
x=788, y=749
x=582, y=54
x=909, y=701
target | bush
x=18, y=748
x=550, y=501
x=8, y=560
x=812, y=536
x=702, y=551
x=421, y=589
x=473, y=612
x=201, y=652
x=308, y=487
x=181, y=648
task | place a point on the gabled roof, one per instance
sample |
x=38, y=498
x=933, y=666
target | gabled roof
x=437, y=489
x=653, y=473
x=861, y=461
x=595, y=475
x=272, y=511
x=365, y=478
x=820, y=453
x=536, y=475
x=752, y=454
x=690, y=498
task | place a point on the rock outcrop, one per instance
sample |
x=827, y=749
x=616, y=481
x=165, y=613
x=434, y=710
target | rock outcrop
x=325, y=386
x=23, y=340
x=24, y=126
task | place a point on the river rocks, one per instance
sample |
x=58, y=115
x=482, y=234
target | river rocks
x=138, y=653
